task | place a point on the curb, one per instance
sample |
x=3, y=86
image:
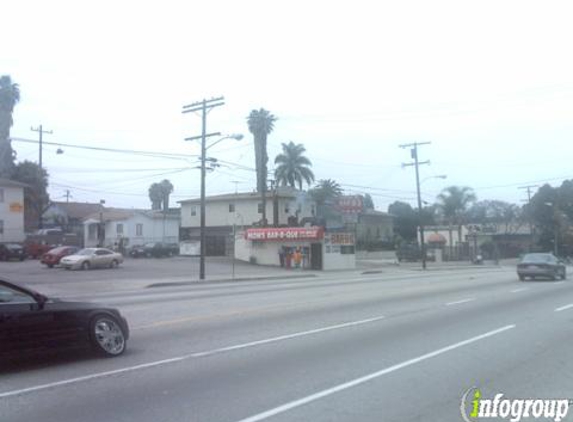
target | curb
x=220, y=280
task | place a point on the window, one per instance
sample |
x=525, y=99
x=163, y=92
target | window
x=139, y=229
x=1, y=226
x=119, y=228
x=231, y=207
x=193, y=210
x=312, y=210
x=260, y=208
x=347, y=250
x=287, y=209
x=1, y=195
x=8, y=295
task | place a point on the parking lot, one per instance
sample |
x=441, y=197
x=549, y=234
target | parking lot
x=133, y=273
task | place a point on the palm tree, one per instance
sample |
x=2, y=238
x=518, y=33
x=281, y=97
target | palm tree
x=261, y=123
x=454, y=202
x=9, y=97
x=325, y=191
x=166, y=188
x=293, y=166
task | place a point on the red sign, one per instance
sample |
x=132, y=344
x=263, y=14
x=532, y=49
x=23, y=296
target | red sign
x=285, y=234
x=342, y=239
x=350, y=204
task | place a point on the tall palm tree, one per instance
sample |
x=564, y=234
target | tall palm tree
x=9, y=97
x=293, y=166
x=261, y=123
x=454, y=202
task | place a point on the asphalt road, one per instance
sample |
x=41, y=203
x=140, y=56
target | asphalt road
x=343, y=347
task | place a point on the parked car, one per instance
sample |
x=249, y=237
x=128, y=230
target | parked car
x=12, y=251
x=544, y=265
x=408, y=252
x=92, y=258
x=35, y=250
x=137, y=251
x=159, y=249
x=32, y=322
x=53, y=256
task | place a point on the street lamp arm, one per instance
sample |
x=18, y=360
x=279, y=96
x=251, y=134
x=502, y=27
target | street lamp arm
x=236, y=136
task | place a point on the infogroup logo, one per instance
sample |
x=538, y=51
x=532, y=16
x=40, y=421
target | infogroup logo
x=474, y=408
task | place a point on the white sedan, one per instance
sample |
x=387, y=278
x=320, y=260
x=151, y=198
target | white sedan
x=92, y=258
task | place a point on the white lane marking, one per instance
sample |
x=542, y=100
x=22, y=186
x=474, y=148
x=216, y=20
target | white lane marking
x=324, y=393
x=562, y=308
x=285, y=337
x=88, y=377
x=184, y=357
x=457, y=302
x=519, y=290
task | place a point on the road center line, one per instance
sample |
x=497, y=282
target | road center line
x=184, y=357
x=324, y=393
x=457, y=302
x=519, y=290
x=562, y=308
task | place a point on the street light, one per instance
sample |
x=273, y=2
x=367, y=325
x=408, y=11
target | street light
x=439, y=176
x=204, y=148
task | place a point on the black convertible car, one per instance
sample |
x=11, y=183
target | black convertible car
x=32, y=322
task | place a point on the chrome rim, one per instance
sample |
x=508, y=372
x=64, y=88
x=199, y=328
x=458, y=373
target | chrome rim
x=109, y=336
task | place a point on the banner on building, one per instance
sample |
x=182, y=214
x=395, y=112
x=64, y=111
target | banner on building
x=284, y=234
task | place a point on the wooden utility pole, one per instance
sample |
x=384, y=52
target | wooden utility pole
x=204, y=107
x=414, y=154
x=41, y=131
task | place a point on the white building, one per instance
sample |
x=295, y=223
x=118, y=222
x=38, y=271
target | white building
x=224, y=213
x=132, y=227
x=11, y=211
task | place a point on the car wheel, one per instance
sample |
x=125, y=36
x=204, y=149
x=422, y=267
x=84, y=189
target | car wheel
x=522, y=277
x=50, y=265
x=107, y=336
x=563, y=274
x=114, y=264
x=85, y=265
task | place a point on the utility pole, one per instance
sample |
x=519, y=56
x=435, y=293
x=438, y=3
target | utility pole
x=204, y=107
x=530, y=216
x=414, y=154
x=67, y=195
x=41, y=131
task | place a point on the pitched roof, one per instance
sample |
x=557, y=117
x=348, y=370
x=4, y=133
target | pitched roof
x=78, y=210
x=12, y=184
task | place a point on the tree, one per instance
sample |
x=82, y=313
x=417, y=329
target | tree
x=166, y=188
x=503, y=214
x=261, y=123
x=293, y=166
x=325, y=191
x=405, y=220
x=368, y=202
x=9, y=97
x=155, y=196
x=36, y=199
x=453, y=203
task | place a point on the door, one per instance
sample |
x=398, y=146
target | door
x=103, y=258
x=23, y=326
x=316, y=256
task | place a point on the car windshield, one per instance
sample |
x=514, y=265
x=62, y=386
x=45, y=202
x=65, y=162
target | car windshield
x=87, y=251
x=538, y=258
x=13, y=246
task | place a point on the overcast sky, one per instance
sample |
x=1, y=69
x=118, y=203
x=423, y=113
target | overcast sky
x=488, y=83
